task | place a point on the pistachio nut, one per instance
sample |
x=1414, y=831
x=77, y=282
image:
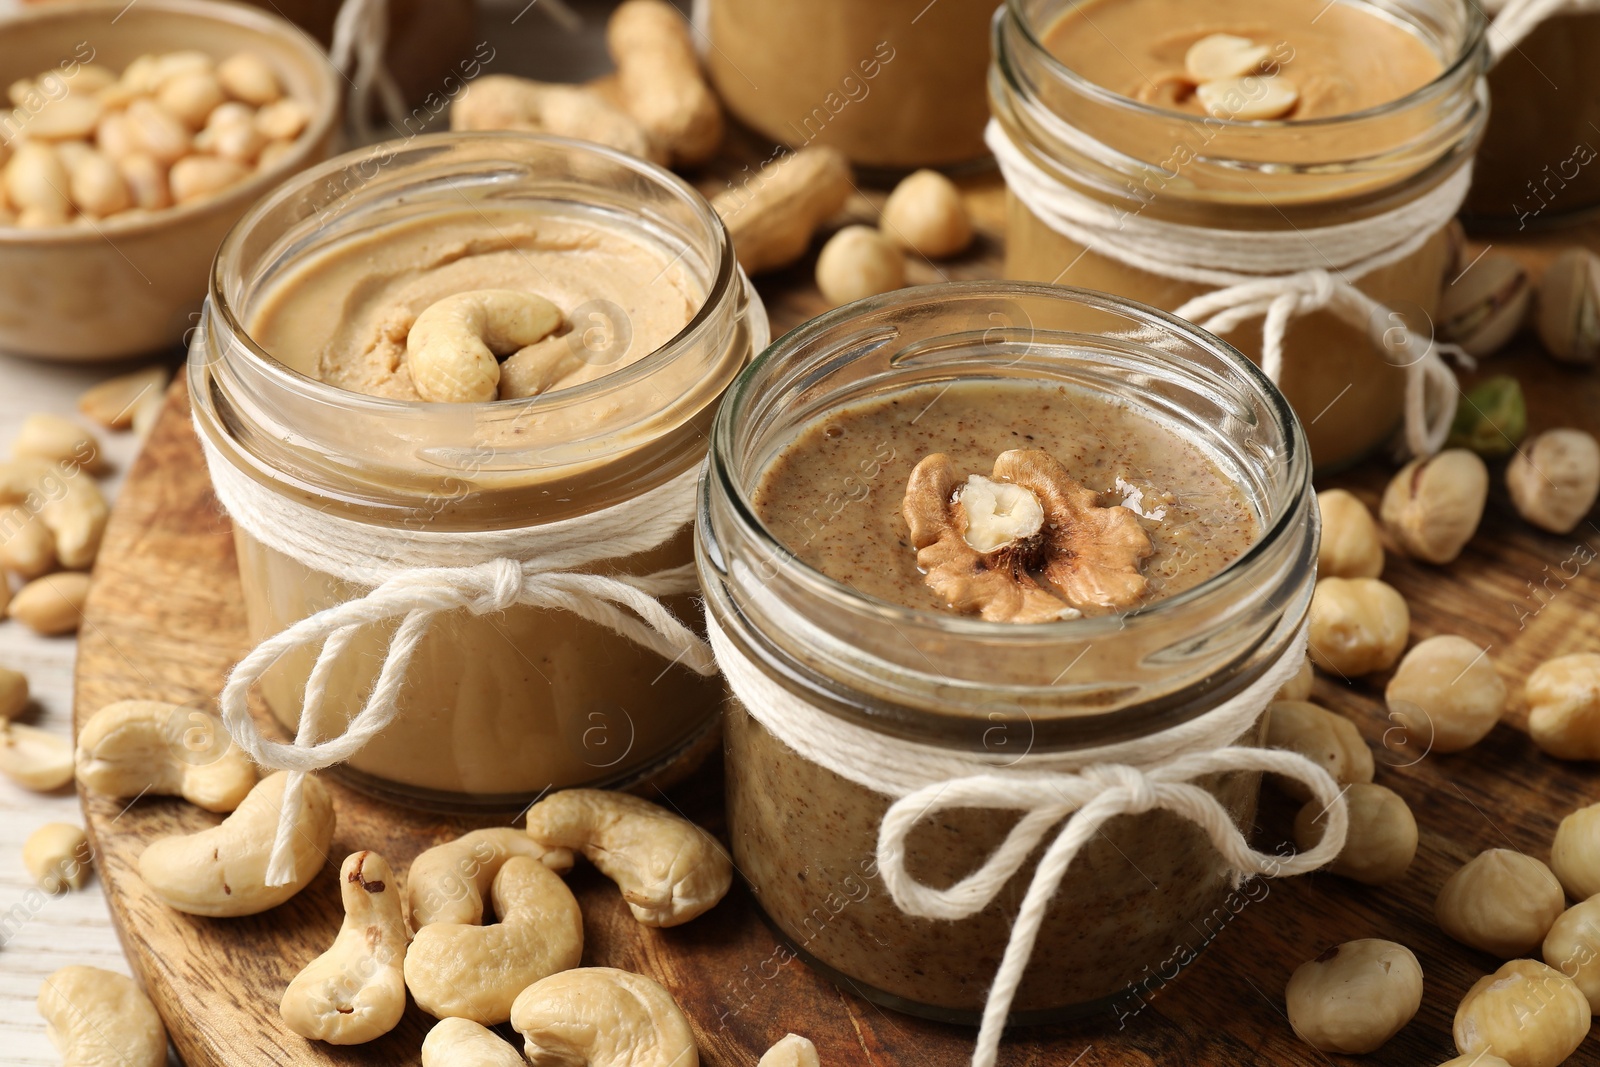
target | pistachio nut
x=1492, y=419
x=1568, y=319
x=1485, y=305
x=1433, y=506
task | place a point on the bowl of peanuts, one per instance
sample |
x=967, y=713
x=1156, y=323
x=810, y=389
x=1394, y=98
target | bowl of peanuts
x=133, y=136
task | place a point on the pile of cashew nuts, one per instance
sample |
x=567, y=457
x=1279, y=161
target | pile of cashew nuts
x=425, y=933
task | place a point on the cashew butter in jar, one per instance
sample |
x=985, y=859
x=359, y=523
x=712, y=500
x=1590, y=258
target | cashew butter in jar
x=953, y=541
x=1283, y=170
x=454, y=393
x=893, y=84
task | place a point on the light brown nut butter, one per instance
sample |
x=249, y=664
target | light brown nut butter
x=1500, y=901
x=668, y=869
x=1354, y=997
x=1433, y=506
x=136, y=747
x=1573, y=947
x=1554, y=479
x=1351, y=546
x=98, y=1018
x=52, y=605
x=1446, y=694
x=1358, y=626
x=1568, y=318
x=1563, y=697
x=58, y=857
x=1330, y=741
x=355, y=992
x=1575, y=854
x=1526, y=1013
x=1382, y=839
x=926, y=215
x=602, y=1017
x=1483, y=307
x=772, y=216
x=1026, y=544
x=859, y=262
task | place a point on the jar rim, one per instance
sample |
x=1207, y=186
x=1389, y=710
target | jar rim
x=1472, y=50
x=723, y=279
x=720, y=466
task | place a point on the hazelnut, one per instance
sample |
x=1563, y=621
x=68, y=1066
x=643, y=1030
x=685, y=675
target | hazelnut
x=1485, y=305
x=1527, y=1013
x=858, y=262
x=1575, y=855
x=1573, y=947
x=1563, y=696
x=1492, y=419
x=1330, y=741
x=1477, y=1059
x=1555, y=478
x=1026, y=545
x=1446, y=694
x=1298, y=687
x=1568, y=319
x=1432, y=507
x=1383, y=834
x=1355, y=996
x=1358, y=625
x=1500, y=901
x=1350, y=546
x=926, y=215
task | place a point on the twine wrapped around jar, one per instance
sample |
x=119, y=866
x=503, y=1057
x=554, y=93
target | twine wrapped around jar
x=1068, y=794
x=1275, y=276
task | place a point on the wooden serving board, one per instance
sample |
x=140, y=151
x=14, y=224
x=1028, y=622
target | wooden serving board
x=164, y=621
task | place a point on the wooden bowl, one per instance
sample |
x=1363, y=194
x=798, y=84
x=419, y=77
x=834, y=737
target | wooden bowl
x=126, y=287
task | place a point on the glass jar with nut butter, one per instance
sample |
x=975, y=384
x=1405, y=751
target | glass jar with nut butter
x=309, y=386
x=837, y=573
x=893, y=84
x=1286, y=125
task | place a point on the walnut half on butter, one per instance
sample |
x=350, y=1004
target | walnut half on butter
x=1026, y=545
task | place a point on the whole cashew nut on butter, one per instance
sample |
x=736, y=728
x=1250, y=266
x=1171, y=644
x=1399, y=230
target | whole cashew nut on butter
x=222, y=872
x=135, y=747
x=464, y=1043
x=602, y=1017
x=98, y=1018
x=475, y=972
x=451, y=349
x=446, y=884
x=355, y=992
x=669, y=869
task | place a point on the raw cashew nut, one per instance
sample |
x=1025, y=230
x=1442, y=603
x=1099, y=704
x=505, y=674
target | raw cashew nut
x=446, y=883
x=662, y=85
x=134, y=747
x=52, y=605
x=791, y=1051
x=602, y=1017
x=222, y=872
x=33, y=758
x=475, y=972
x=669, y=869
x=112, y=402
x=77, y=518
x=355, y=992
x=98, y=1018
x=58, y=856
x=452, y=346
x=464, y=1043
x=27, y=547
x=772, y=217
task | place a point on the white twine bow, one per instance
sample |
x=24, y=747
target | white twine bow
x=360, y=38
x=412, y=584
x=1051, y=790
x=1273, y=275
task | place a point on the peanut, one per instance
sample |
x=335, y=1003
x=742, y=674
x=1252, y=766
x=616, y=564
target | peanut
x=190, y=97
x=246, y=76
x=662, y=85
x=111, y=403
x=158, y=132
x=27, y=547
x=193, y=177
x=13, y=693
x=282, y=120
x=772, y=218
x=147, y=181
x=504, y=102
x=52, y=605
x=98, y=189
x=36, y=180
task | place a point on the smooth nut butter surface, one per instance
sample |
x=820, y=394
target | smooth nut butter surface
x=1147, y=894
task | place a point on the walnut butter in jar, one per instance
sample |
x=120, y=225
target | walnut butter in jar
x=893, y=84
x=1280, y=171
x=1000, y=573
x=454, y=393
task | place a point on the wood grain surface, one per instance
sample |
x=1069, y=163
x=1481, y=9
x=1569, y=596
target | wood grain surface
x=165, y=622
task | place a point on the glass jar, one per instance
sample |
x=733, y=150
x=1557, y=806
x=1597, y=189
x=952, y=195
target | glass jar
x=1540, y=161
x=1159, y=164
x=805, y=837
x=893, y=84
x=495, y=708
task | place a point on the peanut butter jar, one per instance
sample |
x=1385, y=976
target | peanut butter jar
x=814, y=592
x=1390, y=109
x=303, y=399
x=893, y=84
